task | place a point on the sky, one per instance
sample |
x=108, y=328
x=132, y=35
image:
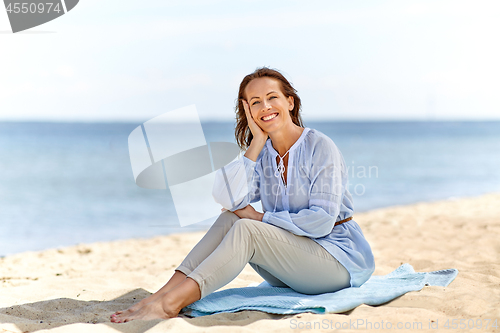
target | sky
x=122, y=60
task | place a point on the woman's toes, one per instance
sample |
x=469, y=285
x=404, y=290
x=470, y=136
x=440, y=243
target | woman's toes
x=116, y=318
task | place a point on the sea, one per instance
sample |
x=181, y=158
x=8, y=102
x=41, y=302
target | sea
x=63, y=184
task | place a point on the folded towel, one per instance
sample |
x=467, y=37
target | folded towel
x=264, y=297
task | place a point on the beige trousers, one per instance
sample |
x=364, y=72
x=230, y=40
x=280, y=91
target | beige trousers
x=283, y=259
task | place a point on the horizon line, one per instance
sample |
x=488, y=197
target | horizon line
x=130, y=121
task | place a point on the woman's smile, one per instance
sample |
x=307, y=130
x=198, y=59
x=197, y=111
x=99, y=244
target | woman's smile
x=269, y=117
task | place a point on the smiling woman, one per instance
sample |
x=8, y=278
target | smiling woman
x=306, y=241
x=276, y=83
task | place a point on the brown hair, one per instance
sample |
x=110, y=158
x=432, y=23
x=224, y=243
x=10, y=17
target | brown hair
x=242, y=131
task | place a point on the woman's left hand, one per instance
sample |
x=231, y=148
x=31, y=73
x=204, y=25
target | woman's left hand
x=249, y=213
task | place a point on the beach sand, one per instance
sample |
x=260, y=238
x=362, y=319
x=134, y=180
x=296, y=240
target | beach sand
x=75, y=289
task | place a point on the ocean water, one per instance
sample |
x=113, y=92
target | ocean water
x=68, y=183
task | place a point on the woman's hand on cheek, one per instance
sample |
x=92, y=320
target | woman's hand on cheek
x=249, y=213
x=256, y=130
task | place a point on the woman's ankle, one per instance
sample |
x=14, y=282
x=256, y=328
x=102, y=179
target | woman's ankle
x=170, y=305
x=184, y=294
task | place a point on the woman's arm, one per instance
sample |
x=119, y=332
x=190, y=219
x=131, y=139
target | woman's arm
x=237, y=184
x=259, y=136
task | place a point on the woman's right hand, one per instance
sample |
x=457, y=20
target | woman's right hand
x=256, y=130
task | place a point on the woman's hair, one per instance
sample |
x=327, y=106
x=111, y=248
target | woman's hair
x=242, y=131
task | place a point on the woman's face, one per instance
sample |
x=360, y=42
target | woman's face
x=270, y=109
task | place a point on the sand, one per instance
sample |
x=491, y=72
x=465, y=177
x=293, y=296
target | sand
x=75, y=289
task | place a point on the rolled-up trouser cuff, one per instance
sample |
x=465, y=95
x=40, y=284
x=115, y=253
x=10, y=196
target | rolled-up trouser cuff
x=199, y=279
x=183, y=269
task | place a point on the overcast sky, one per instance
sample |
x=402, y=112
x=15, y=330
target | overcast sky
x=349, y=60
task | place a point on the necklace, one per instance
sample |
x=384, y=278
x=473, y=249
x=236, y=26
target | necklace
x=280, y=171
x=281, y=168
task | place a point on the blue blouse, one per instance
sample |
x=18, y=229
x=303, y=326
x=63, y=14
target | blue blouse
x=314, y=197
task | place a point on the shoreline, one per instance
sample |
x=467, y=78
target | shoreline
x=76, y=286
x=200, y=230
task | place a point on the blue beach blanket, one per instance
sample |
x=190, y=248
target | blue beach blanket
x=264, y=297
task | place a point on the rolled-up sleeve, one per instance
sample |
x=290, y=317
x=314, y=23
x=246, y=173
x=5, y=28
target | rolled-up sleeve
x=328, y=180
x=237, y=184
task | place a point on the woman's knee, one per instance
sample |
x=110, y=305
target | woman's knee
x=243, y=230
x=248, y=225
x=226, y=220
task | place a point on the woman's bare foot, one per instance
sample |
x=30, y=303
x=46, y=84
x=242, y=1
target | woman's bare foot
x=174, y=281
x=136, y=306
x=163, y=306
x=157, y=309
